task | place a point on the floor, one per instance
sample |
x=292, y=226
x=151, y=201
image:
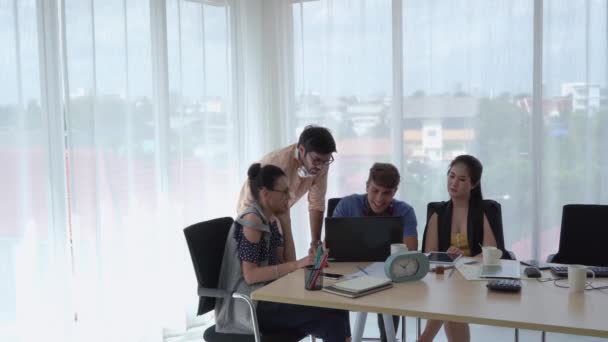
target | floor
x=478, y=333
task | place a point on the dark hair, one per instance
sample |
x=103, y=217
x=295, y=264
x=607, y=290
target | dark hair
x=385, y=175
x=262, y=177
x=317, y=139
x=475, y=169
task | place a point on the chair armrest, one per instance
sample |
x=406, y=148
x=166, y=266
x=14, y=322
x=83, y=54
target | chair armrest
x=219, y=293
x=215, y=293
x=254, y=316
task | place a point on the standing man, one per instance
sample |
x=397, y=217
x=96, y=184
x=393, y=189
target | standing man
x=379, y=200
x=306, y=165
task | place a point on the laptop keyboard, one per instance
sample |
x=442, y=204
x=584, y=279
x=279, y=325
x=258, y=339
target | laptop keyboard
x=562, y=271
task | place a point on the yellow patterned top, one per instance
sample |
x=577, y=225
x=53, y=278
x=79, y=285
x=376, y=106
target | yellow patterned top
x=461, y=241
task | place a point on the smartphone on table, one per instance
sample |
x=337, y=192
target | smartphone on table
x=331, y=275
x=443, y=258
x=536, y=263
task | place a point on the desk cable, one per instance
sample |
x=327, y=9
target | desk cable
x=588, y=285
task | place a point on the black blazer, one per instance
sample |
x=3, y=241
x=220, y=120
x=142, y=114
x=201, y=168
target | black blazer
x=474, y=226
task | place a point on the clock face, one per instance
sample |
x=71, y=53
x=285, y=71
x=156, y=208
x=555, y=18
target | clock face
x=406, y=266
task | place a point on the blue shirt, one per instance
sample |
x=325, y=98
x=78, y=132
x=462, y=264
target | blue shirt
x=356, y=205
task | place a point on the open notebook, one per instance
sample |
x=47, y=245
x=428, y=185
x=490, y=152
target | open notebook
x=359, y=286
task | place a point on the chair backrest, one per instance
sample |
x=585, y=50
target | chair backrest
x=206, y=241
x=431, y=208
x=332, y=203
x=584, y=235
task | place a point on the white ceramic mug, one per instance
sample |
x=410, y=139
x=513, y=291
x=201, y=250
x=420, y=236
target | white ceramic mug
x=491, y=255
x=398, y=248
x=577, y=278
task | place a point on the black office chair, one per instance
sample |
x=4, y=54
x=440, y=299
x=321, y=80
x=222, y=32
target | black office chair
x=583, y=235
x=206, y=242
x=332, y=203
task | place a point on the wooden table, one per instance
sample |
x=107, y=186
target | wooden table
x=539, y=306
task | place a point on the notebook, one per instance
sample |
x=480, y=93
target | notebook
x=358, y=287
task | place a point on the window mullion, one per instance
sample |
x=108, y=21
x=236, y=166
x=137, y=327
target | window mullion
x=397, y=79
x=537, y=129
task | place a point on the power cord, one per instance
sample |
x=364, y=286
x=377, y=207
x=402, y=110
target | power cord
x=588, y=285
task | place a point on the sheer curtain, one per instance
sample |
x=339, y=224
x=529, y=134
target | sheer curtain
x=117, y=130
x=151, y=146
x=121, y=225
x=34, y=253
x=123, y=122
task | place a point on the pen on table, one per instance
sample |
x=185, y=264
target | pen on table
x=457, y=258
x=452, y=271
x=362, y=269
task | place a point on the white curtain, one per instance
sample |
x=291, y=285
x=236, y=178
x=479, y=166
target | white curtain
x=123, y=122
x=35, y=281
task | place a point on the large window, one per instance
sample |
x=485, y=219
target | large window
x=466, y=65
x=467, y=87
x=342, y=54
x=574, y=111
x=342, y=51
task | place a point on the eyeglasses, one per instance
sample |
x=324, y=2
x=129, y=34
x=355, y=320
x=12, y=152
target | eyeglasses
x=285, y=192
x=316, y=161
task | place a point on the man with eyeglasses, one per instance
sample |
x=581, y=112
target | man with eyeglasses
x=306, y=165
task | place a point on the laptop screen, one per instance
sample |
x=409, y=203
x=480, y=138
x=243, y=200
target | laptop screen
x=366, y=238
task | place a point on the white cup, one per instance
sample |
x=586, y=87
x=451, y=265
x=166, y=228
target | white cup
x=577, y=278
x=398, y=248
x=491, y=255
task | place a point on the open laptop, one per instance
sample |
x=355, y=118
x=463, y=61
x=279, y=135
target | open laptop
x=366, y=238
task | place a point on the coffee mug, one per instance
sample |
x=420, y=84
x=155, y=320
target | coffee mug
x=577, y=277
x=398, y=248
x=491, y=255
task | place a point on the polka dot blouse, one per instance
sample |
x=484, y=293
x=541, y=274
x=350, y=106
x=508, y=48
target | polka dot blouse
x=258, y=252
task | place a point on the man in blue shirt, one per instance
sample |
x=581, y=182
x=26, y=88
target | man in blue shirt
x=379, y=200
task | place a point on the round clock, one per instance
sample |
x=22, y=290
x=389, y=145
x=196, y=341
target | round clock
x=406, y=266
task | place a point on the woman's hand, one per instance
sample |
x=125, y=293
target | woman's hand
x=305, y=261
x=454, y=251
x=312, y=250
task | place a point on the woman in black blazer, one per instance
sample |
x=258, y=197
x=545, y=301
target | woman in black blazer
x=460, y=226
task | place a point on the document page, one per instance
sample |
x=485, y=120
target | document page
x=375, y=269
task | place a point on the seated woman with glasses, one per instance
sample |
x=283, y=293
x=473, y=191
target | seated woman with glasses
x=460, y=226
x=256, y=254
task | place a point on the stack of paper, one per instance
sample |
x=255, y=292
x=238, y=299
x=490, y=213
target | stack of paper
x=359, y=286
